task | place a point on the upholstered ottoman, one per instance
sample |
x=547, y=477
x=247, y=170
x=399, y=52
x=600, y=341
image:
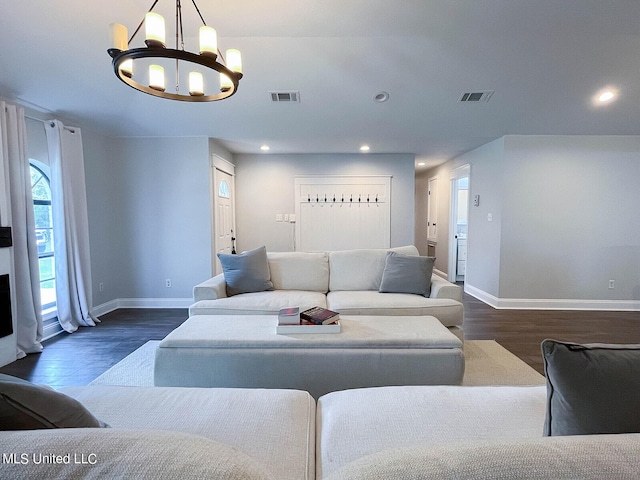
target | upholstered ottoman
x=245, y=351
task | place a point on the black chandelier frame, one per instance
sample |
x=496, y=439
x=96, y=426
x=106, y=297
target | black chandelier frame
x=152, y=50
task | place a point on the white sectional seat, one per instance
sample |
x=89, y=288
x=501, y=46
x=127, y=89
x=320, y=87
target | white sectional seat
x=387, y=433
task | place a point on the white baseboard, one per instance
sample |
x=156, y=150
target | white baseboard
x=140, y=303
x=551, y=304
x=440, y=273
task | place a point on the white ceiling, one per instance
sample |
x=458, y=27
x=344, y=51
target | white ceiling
x=545, y=59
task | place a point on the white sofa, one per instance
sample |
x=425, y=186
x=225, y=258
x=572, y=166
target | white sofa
x=383, y=433
x=345, y=281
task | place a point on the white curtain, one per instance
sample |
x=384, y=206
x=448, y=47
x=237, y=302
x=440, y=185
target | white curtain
x=17, y=180
x=70, y=226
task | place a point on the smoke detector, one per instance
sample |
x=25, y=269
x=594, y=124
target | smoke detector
x=473, y=97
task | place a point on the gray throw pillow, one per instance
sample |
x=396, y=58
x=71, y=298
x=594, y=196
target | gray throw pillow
x=26, y=406
x=592, y=388
x=246, y=272
x=407, y=274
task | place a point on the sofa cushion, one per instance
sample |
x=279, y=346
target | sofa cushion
x=27, y=406
x=275, y=427
x=593, y=388
x=390, y=417
x=299, y=271
x=360, y=269
x=448, y=311
x=586, y=458
x=116, y=453
x=259, y=303
x=246, y=272
x=407, y=274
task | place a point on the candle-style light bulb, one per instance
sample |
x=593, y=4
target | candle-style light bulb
x=119, y=36
x=208, y=41
x=234, y=60
x=154, y=30
x=156, y=77
x=196, y=84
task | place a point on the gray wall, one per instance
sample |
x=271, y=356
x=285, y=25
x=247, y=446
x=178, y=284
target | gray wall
x=265, y=187
x=570, y=221
x=564, y=220
x=149, y=215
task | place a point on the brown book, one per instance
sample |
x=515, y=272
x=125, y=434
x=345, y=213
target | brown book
x=320, y=316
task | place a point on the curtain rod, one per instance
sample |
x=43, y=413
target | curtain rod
x=71, y=129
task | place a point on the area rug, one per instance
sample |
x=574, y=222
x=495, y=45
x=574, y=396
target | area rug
x=486, y=363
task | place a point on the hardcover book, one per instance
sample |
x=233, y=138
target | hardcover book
x=289, y=316
x=320, y=316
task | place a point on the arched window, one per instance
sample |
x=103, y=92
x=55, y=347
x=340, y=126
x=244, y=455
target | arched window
x=41, y=192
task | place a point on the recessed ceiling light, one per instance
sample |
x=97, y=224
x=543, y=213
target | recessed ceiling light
x=381, y=97
x=605, y=96
x=421, y=164
x=265, y=148
x=364, y=148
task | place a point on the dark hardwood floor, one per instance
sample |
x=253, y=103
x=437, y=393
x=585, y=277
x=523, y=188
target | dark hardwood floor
x=78, y=358
x=522, y=331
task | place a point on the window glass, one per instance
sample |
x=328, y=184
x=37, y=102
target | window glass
x=223, y=190
x=41, y=192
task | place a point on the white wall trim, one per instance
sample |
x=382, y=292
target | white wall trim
x=553, y=303
x=440, y=273
x=112, y=305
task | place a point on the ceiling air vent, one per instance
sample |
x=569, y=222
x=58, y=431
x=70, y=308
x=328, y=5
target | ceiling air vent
x=292, y=96
x=476, y=96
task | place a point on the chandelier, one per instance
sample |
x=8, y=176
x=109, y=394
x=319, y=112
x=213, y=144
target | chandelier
x=198, y=71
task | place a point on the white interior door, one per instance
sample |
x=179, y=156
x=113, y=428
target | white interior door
x=432, y=209
x=223, y=211
x=458, y=227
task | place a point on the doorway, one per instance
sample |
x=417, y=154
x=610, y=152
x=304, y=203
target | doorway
x=458, y=225
x=223, y=210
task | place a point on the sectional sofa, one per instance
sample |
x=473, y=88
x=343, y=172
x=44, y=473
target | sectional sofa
x=351, y=282
x=582, y=425
x=383, y=433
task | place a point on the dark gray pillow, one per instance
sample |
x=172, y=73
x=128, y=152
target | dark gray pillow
x=591, y=389
x=26, y=406
x=407, y=274
x=246, y=272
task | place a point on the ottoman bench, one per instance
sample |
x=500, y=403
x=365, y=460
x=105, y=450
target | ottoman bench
x=245, y=351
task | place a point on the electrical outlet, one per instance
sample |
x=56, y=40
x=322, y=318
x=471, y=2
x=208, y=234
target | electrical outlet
x=292, y=217
x=612, y=284
x=167, y=283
